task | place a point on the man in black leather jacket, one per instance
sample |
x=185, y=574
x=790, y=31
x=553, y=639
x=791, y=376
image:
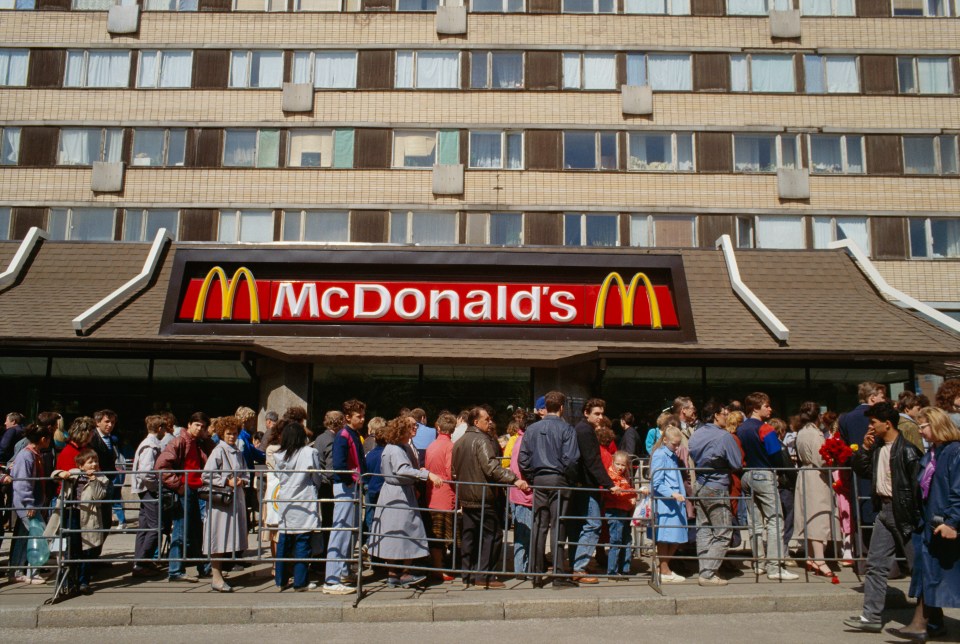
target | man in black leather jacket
x=891, y=463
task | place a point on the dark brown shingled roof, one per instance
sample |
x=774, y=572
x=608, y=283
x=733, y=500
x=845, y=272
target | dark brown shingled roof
x=829, y=306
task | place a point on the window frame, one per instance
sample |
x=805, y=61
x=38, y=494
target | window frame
x=504, y=150
x=928, y=239
x=937, y=140
x=238, y=226
x=674, y=148
x=597, y=151
x=27, y=5
x=85, y=83
x=596, y=8
x=301, y=216
x=750, y=225
x=488, y=55
x=506, y=7
x=582, y=73
x=668, y=6
x=6, y=214
x=645, y=55
x=3, y=141
x=414, y=86
x=144, y=223
x=102, y=147
x=266, y=9
x=951, y=6
x=71, y=213
x=436, y=147
x=915, y=72
x=844, y=154
x=822, y=63
x=583, y=217
x=834, y=13
x=313, y=66
x=409, y=217
x=179, y=4
x=160, y=53
x=249, y=54
x=256, y=150
x=778, y=145
x=651, y=221
x=748, y=57
x=10, y=52
x=165, y=150
x=835, y=229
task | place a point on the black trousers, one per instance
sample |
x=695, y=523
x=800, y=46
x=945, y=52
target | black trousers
x=481, y=544
x=548, y=506
x=149, y=520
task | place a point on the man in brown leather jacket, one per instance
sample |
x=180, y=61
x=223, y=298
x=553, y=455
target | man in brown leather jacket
x=476, y=462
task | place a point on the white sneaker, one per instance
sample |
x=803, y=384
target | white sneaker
x=338, y=589
x=782, y=575
x=672, y=578
x=312, y=585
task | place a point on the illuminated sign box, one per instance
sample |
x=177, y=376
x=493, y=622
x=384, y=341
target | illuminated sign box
x=428, y=293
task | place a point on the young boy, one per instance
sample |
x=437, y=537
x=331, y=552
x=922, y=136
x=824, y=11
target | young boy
x=88, y=489
x=440, y=500
x=618, y=509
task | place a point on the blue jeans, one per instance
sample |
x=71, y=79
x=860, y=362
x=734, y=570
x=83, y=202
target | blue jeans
x=621, y=540
x=766, y=518
x=117, y=495
x=293, y=545
x=342, y=536
x=589, y=533
x=522, y=533
x=187, y=535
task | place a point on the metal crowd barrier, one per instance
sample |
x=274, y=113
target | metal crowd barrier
x=9, y=517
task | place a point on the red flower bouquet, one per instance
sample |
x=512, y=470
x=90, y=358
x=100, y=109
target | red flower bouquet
x=835, y=452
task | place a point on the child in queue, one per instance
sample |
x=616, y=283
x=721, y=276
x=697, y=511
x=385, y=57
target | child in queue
x=618, y=509
x=83, y=485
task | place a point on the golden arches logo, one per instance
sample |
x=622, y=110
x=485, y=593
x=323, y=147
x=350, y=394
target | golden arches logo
x=627, y=297
x=228, y=292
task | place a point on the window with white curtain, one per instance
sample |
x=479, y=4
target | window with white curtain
x=765, y=152
x=662, y=72
x=495, y=228
x=762, y=73
x=18, y=5
x=326, y=69
x=316, y=225
x=245, y=226
x=589, y=71
x=748, y=7
x=582, y=229
x=256, y=69
x=320, y=148
x=81, y=224
x=827, y=8
x=13, y=67
x=5, y=217
x=589, y=6
x=660, y=151
x=92, y=5
x=497, y=6
x=423, y=228
x=143, y=224
x=496, y=149
x=831, y=229
x=158, y=147
x=924, y=75
x=251, y=148
x=778, y=231
x=84, y=146
x=171, y=5
x=417, y=5
x=830, y=74
x=326, y=5
x=259, y=5
x=663, y=231
x=587, y=150
x=496, y=70
x=925, y=8
x=425, y=148
x=427, y=70
x=658, y=7
x=97, y=68
x=165, y=68
x=836, y=154
x=9, y=145
x=934, y=237
x=930, y=154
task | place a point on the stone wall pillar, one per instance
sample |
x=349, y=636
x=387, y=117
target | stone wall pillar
x=577, y=382
x=282, y=385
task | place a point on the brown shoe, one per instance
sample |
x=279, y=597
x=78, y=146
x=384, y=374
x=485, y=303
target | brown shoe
x=582, y=578
x=494, y=584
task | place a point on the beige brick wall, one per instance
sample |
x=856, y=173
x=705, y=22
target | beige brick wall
x=319, y=29
x=460, y=109
x=929, y=281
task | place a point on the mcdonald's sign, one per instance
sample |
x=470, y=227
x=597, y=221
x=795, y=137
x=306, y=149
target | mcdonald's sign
x=305, y=296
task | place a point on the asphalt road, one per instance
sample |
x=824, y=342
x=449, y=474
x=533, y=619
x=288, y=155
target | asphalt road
x=783, y=628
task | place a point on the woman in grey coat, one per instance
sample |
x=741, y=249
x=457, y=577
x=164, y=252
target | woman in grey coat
x=814, y=511
x=297, y=501
x=225, y=528
x=397, y=530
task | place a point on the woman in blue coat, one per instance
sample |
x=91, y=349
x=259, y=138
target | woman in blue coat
x=936, y=573
x=671, y=510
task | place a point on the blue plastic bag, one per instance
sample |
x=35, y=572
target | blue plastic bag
x=38, y=551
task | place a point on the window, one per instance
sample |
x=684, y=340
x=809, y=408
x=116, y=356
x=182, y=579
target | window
x=251, y=148
x=589, y=150
x=245, y=226
x=320, y=148
x=658, y=7
x=418, y=148
x=662, y=72
x=13, y=67
x=656, y=231
x=417, y=5
x=495, y=228
x=316, y=226
x=428, y=69
x=158, y=148
x=496, y=70
x=589, y=6
x=259, y=5
x=85, y=146
x=496, y=150
x=765, y=152
x=170, y=5
x=924, y=75
x=833, y=154
x=934, y=238
x=18, y=5
x=770, y=231
x=81, y=224
x=92, y=5
x=165, y=68
x=660, y=152
x=326, y=5
x=831, y=74
x=496, y=6
x=5, y=223
x=930, y=154
x=256, y=69
x=326, y=69
x=924, y=8
x=590, y=230
x=425, y=228
x=143, y=225
x=831, y=229
x=589, y=71
x=756, y=7
x=9, y=145
x=827, y=8
x=97, y=68
x=761, y=73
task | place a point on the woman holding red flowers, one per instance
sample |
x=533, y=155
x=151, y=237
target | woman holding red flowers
x=813, y=504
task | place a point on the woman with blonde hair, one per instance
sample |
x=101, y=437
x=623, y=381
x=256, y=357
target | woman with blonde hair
x=671, y=508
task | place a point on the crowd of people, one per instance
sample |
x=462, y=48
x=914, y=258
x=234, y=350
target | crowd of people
x=877, y=483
